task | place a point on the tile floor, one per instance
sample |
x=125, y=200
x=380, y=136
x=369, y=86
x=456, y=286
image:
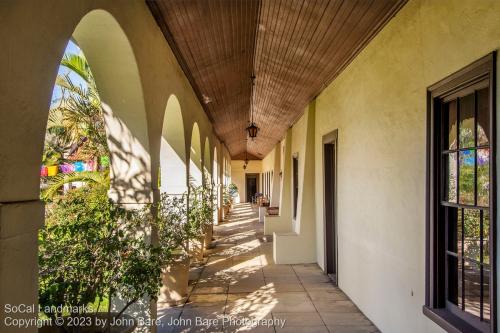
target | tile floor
x=241, y=289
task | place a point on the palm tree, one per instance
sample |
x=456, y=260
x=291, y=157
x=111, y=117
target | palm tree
x=76, y=128
x=76, y=123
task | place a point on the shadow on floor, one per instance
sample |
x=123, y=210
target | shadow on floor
x=241, y=289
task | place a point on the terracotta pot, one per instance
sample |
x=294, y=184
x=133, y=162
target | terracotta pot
x=175, y=279
x=209, y=232
x=196, y=249
x=124, y=324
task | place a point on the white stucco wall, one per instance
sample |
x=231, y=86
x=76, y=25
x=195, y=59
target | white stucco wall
x=378, y=105
x=136, y=73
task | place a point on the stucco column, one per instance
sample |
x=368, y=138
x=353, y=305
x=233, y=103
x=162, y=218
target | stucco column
x=220, y=203
x=276, y=181
x=283, y=222
x=299, y=245
x=19, y=225
x=224, y=183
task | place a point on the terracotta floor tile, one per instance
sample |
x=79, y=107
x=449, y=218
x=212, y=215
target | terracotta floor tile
x=303, y=329
x=295, y=319
x=353, y=329
x=240, y=281
x=344, y=319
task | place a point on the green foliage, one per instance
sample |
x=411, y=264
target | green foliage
x=195, y=216
x=184, y=218
x=200, y=209
x=89, y=177
x=171, y=223
x=75, y=128
x=233, y=190
x=229, y=193
x=91, y=248
x=76, y=122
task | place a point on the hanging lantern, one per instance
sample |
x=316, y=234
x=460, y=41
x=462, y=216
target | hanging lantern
x=252, y=130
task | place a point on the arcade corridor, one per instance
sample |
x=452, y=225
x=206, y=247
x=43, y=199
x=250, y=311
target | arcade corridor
x=240, y=282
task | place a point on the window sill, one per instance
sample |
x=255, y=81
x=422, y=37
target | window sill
x=449, y=322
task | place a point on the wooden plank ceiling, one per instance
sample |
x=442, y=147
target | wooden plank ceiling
x=294, y=48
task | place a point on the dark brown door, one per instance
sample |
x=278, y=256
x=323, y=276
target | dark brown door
x=295, y=169
x=330, y=225
x=251, y=185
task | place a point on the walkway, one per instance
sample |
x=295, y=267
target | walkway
x=240, y=287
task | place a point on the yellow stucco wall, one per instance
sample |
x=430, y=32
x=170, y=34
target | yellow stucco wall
x=268, y=161
x=378, y=105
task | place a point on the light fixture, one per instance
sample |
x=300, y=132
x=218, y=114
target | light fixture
x=252, y=129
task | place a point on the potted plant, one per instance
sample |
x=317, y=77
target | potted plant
x=226, y=198
x=173, y=233
x=195, y=222
x=90, y=253
x=208, y=208
x=233, y=193
x=229, y=193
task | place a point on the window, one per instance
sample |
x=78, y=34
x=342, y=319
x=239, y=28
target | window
x=295, y=167
x=460, y=269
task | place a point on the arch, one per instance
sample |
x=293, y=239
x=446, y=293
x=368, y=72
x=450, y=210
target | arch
x=195, y=157
x=173, y=170
x=31, y=67
x=116, y=74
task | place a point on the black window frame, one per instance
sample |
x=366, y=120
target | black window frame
x=435, y=289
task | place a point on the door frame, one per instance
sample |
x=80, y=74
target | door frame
x=257, y=177
x=330, y=138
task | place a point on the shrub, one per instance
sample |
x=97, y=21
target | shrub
x=92, y=249
x=171, y=223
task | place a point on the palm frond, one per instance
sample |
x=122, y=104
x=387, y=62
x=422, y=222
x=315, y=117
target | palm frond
x=65, y=82
x=78, y=65
x=89, y=177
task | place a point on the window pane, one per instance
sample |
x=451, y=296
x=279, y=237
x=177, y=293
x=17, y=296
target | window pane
x=486, y=237
x=483, y=117
x=483, y=177
x=451, y=180
x=466, y=177
x=453, y=280
x=472, y=249
x=454, y=228
x=472, y=287
x=450, y=122
x=486, y=293
x=467, y=131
